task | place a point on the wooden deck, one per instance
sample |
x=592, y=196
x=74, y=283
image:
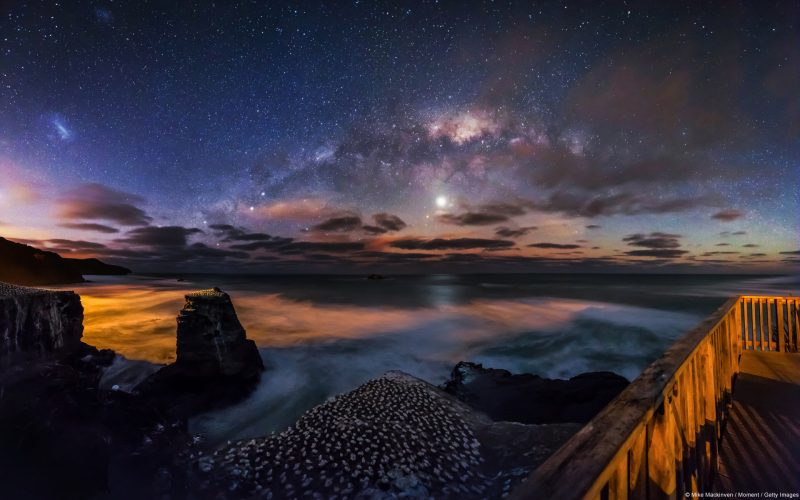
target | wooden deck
x=760, y=449
x=719, y=410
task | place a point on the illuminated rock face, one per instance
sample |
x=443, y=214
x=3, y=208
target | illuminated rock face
x=211, y=341
x=35, y=323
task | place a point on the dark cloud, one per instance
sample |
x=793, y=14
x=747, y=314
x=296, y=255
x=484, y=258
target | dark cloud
x=793, y=252
x=450, y=244
x=167, y=236
x=231, y=233
x=507, y=232
x=98, y=202
x=722, y=245
x=554, y=245
x=472, y=219
x=385, y=223
x=301, y=247
x=664, y=254
x=750, y=245
x=579, y=204
x=727, y=215
x=487, y=213
x=339, y=224
x=593, y=226
x=374, y=229
x=275, y=242
x=658, y=244
x=88, y=226
x=508, y=209
x=734, y=233
x=75, y=245
x=653, y=240
x=389, y=222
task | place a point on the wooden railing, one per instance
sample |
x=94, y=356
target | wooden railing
x=770, y=323
x=660, y=437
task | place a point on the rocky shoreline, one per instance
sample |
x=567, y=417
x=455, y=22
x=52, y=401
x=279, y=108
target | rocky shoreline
x=396, y=436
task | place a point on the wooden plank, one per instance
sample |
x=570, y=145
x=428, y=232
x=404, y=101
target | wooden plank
x=737, y=318
x=756, y=339
x=770, y=340
x=637, y=466
x=618, y=484
x=751, y=337
x=761, y=334
x=780, y=305
x=796, y=338
x=789, y=333
x=661, y=456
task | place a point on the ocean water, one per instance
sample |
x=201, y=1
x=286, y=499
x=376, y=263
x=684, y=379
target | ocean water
x=323, y=335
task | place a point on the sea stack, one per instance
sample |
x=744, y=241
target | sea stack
x=211, y=341
x=35, y=323
x=216, y=364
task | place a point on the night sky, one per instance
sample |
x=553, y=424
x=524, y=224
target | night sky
x=413, y=137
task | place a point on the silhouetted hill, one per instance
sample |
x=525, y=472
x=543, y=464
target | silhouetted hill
x=25, y=265
x=95, y=266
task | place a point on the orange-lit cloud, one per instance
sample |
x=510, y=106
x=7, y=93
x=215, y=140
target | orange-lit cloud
x=299, y=209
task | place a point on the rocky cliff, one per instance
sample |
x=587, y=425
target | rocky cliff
x=35, y=323
x=25, y=265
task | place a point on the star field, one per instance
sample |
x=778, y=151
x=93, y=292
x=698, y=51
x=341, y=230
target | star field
x=408, y=136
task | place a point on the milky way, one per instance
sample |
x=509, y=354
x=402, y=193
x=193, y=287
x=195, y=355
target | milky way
x=404, y=137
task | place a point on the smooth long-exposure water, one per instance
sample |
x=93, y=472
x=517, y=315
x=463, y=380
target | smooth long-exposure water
x=323, y=335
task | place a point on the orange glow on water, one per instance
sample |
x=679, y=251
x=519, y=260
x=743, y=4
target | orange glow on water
x=138, y=320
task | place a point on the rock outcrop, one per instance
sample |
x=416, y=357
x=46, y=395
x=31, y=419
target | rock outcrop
x=211, y=341
x=531, y=399
x=216, y=364
x=393, y=437
x=24, y=265
x=36, y=323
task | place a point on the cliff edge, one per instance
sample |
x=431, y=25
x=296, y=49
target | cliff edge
x=35, y=323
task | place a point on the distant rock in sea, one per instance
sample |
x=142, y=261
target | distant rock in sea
x=394, y=437
x=97, y=267
x=25, y=265
x=376, y=277
x=36, y=323
x=216, y=362
x=531, y=399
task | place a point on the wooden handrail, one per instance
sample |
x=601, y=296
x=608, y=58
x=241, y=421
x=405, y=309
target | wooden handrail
x=660, y=437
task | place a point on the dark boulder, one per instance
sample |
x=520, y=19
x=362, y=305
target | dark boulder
x=216, y=364
x=531, y=399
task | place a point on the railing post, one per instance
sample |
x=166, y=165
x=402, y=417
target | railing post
x=796, y=324
x=779, y=305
